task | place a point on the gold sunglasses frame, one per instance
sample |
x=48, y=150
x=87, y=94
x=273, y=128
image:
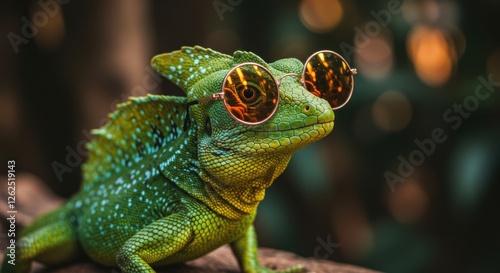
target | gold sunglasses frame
x=220, y=95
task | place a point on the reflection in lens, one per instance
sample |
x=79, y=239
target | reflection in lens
x=328, y=76
x=250, y=93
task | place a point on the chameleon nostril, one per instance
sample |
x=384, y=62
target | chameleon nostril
x=308, y=109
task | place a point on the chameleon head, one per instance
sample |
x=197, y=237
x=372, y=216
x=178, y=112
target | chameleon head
x=231, y=150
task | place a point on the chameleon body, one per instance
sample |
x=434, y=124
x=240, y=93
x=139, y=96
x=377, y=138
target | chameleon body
x=159, y=190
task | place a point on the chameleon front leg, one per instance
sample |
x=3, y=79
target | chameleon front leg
x=154, y=243
x=245, y=250
x=51, y=244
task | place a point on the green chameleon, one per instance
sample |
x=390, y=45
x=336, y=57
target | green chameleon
x=169, y=179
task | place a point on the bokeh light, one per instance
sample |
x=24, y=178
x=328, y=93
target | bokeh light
x=493, y=64
x=353, y=229
x=50, y=25
x=392, y=111
x=472, y=167
x=410, y=203
x=432, y=54
x=421, y=11
x=444, y=13
x=321, y=15
x=376, y=59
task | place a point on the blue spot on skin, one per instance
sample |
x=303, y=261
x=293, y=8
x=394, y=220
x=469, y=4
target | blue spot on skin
x=172, y=68
x=196, y=61
x=188, y=51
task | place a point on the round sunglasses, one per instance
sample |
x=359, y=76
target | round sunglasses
x=250, y=92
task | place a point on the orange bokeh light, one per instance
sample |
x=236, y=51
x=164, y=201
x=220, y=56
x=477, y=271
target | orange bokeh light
x=321, y=15
x=432, y=54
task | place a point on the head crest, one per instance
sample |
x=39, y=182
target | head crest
x=190, y=64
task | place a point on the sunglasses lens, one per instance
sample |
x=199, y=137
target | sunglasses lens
x=328, y=76
x=250, y=94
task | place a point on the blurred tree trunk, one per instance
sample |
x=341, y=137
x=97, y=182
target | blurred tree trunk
x=115, y=49
x=68, y=77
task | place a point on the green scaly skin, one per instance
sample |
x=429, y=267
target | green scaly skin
x=156, y=193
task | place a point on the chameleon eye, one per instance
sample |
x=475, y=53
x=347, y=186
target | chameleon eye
x=250, y=93
x=328, y=76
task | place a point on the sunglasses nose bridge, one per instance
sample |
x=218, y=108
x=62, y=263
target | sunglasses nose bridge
x=278, y=83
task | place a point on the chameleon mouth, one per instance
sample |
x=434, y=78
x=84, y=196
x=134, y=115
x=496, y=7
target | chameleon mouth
x=330, y=122
x=320, y=126
x=326, y=125
x=298, y=137
x=277, y=128
x=301, y=134
x=263, y=140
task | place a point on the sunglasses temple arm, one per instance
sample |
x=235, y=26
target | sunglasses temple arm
x=187, y=120
x=216, y=96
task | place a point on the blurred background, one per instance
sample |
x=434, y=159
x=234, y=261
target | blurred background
x=406, y=182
